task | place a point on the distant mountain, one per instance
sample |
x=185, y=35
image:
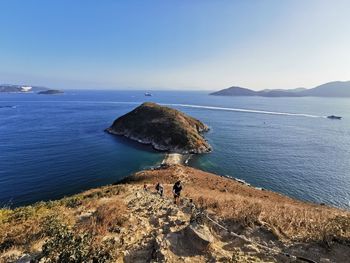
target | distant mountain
x=296, y=89
x=330, y=89
x=10, y=88
x=239, y=91
x=287, y=90
x=279, y=93
x=235, y=91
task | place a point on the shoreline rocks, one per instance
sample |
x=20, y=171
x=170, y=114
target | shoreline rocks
x=164, y=128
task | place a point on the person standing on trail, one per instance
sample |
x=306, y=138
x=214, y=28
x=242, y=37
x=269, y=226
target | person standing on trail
x=176, y=191
x=160, y=189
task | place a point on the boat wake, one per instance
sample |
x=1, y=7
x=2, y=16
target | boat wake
x=246, y=110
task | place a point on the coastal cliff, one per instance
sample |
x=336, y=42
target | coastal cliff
x=166, y=129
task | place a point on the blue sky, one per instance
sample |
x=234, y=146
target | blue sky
x=174, y=44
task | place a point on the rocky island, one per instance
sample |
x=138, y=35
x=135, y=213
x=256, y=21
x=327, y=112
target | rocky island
x=164, y=128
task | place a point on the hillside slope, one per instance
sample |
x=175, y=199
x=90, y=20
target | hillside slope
x=330, y=89
x=218, y=220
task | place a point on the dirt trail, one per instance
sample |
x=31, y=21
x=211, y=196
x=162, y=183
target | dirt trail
x=160, y=231
x=163, y=232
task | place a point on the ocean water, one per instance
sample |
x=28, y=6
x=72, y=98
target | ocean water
x=52, y=146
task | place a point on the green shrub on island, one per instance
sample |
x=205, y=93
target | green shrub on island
x=166, y=129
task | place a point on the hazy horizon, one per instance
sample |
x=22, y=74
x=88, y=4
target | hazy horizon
x=153, y=89
x=197, y=45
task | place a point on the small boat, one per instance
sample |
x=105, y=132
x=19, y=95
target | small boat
x=333, y=117
x=147, y=94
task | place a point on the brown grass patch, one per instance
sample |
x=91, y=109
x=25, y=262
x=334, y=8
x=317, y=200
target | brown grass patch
x=298, y=222
x=247, y=206
x=22, y=226
x=108, y=217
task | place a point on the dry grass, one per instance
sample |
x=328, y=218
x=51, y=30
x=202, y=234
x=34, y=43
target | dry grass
x=24, y=228
x=296, y=222
x=21, y=226
x=108, y=217
x=286, y=217
x=64, y=244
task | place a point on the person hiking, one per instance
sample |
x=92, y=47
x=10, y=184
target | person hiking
x=176, y=191
x=160, y=189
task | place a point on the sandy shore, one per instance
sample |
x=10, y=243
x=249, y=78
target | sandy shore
x=175, y=158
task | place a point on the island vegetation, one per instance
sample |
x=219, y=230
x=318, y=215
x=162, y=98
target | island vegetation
x=164, y=128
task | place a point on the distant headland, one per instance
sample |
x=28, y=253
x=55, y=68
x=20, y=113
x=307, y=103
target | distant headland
x=166, y=129
x=330, y=89
x=11, y=88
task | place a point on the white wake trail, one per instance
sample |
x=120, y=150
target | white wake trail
x=246, y=110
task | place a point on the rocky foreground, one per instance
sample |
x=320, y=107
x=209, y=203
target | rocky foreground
x=217, y=220
x=164, y=128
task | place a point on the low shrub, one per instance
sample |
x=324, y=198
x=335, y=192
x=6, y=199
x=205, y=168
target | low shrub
x=73, y=202
x=65, y=245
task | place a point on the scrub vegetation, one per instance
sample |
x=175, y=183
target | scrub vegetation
x=124, y=223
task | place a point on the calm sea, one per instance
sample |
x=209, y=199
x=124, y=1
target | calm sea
x=52, y=146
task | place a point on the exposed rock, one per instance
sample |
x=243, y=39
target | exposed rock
x=199, y=236
x=166, y=129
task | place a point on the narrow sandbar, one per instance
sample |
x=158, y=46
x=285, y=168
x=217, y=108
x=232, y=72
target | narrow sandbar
x=175, y=158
